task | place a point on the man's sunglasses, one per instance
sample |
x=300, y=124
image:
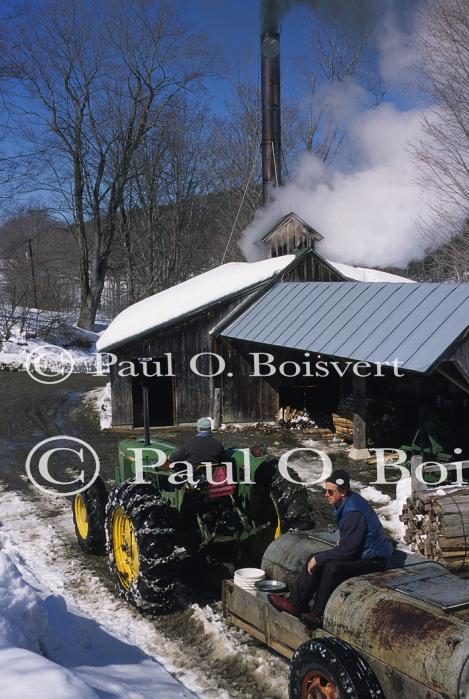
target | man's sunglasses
x=328, y=491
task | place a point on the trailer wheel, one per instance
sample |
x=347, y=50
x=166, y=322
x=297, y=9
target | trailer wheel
x=141, y=544
x=330, y=669
x=89, y=511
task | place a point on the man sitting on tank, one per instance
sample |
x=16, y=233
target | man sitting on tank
x=362, y=548
x=201, y=447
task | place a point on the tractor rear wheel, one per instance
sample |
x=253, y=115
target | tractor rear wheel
x=330, y=669
x=89, y=511
x=141, y=543
x=277, y=505
x=292, y=503
x=286, y=504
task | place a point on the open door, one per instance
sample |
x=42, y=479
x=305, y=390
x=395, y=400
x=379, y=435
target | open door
x=160, y=396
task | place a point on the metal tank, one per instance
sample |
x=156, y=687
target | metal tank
x=410, y=622
x=285, y=556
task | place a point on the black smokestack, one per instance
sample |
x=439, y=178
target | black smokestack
x=270, y=90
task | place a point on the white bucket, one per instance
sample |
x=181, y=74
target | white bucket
x=246, y=578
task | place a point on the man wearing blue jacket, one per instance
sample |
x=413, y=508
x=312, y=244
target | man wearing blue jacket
x=362, y=548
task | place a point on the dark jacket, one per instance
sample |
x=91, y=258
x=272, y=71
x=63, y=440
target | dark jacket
x=362, y=535
x=202, y=447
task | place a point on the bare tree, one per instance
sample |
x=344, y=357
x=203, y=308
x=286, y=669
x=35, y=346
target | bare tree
x=101, y=75
x=236, y=155
x=164, y=217
x=444, y=153
x=38, y=270
x=340, y=64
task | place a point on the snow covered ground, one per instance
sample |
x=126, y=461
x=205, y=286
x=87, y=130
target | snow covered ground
x=67, y=346
x=62, y=620
x=100, y=401
x=50, y=648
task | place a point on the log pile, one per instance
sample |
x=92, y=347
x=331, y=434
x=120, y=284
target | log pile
x=343, y=419
x=294, y=418
x=381, y=421
x=437, y=527
x=343, y=427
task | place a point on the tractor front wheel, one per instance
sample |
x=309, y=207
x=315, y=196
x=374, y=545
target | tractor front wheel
x=141, y=543
x=89, y=511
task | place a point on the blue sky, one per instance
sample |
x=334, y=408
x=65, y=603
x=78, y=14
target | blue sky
x=234, y=27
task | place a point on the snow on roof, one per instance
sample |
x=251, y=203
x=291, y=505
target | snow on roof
x=187, y=297
x=364, y=274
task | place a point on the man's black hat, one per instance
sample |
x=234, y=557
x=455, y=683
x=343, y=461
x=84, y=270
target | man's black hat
x=340, y=477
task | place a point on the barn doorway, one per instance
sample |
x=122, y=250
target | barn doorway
x=160, y=396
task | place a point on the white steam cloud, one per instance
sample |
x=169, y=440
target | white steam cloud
x=368, y=216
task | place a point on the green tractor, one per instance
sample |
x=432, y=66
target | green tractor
x=148, y=528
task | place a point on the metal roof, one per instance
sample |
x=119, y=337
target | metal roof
x=373, y=322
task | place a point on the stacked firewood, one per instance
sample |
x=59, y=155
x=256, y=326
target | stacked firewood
x=437, y=526
x=343, y=419
x=343, y=427
x=294, y=418
x=380, y=419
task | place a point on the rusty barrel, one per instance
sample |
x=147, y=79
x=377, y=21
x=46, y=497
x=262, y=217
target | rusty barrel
x=285, y=556
x=423, y=641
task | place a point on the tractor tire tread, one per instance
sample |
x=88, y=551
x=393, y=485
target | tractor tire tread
x=154, y=524
x=95, y=498
x=349, y=671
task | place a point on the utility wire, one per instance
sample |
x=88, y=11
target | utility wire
x=240, y=206
x=275, y=164
x=282, y=153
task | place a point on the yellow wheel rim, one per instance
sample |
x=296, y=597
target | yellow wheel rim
x=81, y=516
x=124, y=546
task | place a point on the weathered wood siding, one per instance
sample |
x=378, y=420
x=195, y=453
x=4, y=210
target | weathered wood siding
x=121, y=396
x=461, y=359
x=193, y=393
x=244, y=398
x=312, y=268
x=289, y=236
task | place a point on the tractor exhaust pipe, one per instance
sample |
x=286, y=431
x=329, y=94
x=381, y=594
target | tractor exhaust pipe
x=146, y=415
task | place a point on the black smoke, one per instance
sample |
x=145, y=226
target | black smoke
x=274, y=11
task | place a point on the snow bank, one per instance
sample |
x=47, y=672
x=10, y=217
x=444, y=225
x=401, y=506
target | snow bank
x=100, y=401
x=112, y=656
x=51, y=651
x=26, y=673
x=67, y=345
x=387, y=509
x=187, y=297
x=364, y=274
